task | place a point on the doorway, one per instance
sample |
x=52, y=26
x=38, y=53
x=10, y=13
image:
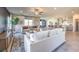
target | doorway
x=77, y=25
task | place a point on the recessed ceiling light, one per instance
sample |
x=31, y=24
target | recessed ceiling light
x=55, y=8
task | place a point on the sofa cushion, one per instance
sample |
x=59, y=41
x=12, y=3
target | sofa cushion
x=39, y=35
x=55, y=31
x=52, y=32
x=28, y=34
x=32, y=37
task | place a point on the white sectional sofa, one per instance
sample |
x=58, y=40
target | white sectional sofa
x=44, y=41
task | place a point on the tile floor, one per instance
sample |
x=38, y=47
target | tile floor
x=71, y=44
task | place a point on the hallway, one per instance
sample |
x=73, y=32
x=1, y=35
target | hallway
x=71, y=44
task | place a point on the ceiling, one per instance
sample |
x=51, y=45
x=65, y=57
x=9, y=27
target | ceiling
x=48, y=11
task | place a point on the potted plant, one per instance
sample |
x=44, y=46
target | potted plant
x=15, y=21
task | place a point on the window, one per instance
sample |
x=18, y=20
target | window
x=42, y=23
x=28, y=22
x=9, y=24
